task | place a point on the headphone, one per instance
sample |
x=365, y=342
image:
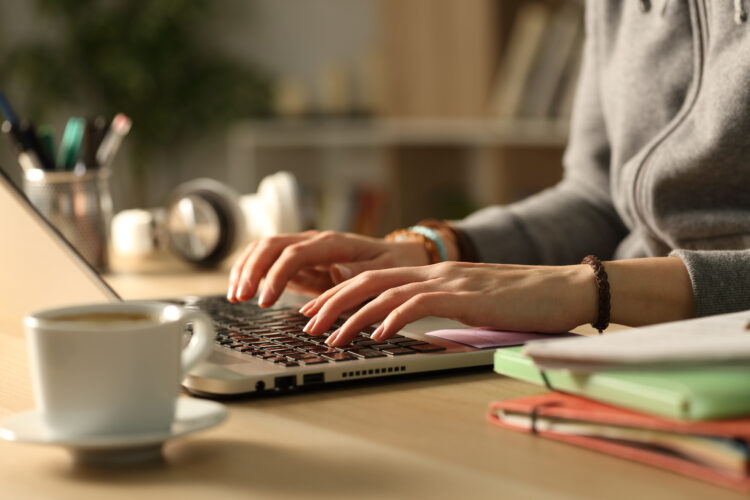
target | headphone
x=205, y=221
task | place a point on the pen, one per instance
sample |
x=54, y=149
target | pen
x=90, y=145
x=7, y=111
x=70, y=146
x=47, y=139
x=113, y=138
x=101, y=125
x=23, y=137
x=47, y=161
x=27, y=157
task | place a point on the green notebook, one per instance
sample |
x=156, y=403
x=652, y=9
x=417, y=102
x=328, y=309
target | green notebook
x=695, y=394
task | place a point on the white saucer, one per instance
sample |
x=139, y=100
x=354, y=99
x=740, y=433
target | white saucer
x=192, y=415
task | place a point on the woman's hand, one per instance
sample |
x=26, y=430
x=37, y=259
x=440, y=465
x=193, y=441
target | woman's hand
x=508, y=297
x=312, y=262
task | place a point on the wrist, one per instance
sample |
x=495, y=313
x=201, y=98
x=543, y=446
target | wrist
x=650, y=290
x=413, y=252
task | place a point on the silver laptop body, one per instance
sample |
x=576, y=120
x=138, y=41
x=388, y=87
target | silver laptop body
x=41, y=270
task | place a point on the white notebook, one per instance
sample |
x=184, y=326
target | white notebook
x=714, y=339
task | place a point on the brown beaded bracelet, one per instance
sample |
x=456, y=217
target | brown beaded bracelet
x=433, y=253
x=602, y=287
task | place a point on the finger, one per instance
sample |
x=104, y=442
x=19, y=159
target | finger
x=326, y=248
x=316, y=304
x=234, y=275
x=312, y=307
x=353, y=292
x=264, y=254
x=310, y=282
x=343, y=271
x=378, y=309
x=442, y=304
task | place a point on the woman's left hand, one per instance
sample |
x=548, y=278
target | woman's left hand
x=507, y=297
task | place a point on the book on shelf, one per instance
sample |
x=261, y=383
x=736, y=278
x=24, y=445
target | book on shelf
x=354, y=208
x=537, y=71
x=552, y=60
x=715, y=451
x=517, y=62
x=562, y=105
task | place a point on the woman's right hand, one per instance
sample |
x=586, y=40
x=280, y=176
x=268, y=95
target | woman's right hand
x=313, y=261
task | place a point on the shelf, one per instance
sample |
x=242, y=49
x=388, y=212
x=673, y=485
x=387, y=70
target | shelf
x=354, y=133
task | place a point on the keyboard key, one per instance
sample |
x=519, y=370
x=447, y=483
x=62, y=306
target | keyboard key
x=286, y=352
x=409, y=342
x=381, y=346
x=301, y=321
x=316, y=349
x=337, y=356
x=364, y=343
x=280, y=338
x=427, y=347
x=298, y=355
x=276, y=348
x=296, y=343
x=266, y=345
x=313, y=361
x=397, y=351
x=401, y=340
x=366, y=353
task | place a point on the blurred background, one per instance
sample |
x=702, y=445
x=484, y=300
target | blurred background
x=386, y=111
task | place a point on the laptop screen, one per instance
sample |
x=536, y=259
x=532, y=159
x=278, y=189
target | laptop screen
x=39, y=268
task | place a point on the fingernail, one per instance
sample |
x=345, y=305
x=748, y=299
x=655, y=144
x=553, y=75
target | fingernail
x=266, y=296
x=310, y=324
x=304, y=309
x=332, y=339
x=344, y=272
x=241, y=292
x=377, y=333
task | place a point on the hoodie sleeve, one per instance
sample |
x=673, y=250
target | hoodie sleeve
x=575, y=218
x=720, y=279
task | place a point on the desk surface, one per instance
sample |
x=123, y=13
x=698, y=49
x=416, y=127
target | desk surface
x=419, y=437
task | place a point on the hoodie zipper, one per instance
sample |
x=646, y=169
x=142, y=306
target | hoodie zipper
x=700, y=42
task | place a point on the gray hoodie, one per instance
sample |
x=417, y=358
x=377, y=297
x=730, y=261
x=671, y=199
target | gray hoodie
x=658, y=161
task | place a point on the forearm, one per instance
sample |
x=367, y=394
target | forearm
x=649, y=290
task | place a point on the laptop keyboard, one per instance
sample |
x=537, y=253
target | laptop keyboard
x=275, y=335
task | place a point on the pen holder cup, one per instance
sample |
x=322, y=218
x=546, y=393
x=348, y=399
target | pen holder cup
x=79, y=205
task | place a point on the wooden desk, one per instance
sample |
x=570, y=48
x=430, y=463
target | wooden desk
x=416, y=438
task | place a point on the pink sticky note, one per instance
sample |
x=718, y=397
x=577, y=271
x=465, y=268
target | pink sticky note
x=483, y=338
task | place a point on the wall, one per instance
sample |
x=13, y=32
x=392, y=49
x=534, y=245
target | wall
x=287, y=37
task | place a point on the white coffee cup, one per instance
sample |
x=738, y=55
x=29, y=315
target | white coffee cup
x=109, y=369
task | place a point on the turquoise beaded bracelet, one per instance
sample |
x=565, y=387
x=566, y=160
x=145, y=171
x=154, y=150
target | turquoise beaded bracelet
x=430, y=233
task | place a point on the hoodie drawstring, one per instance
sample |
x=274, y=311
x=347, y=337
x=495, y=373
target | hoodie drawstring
x=740, y=14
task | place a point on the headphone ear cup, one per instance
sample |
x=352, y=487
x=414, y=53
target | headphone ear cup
x=204, y=222
x=280, y=195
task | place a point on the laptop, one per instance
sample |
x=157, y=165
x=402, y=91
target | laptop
x=257, y=351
